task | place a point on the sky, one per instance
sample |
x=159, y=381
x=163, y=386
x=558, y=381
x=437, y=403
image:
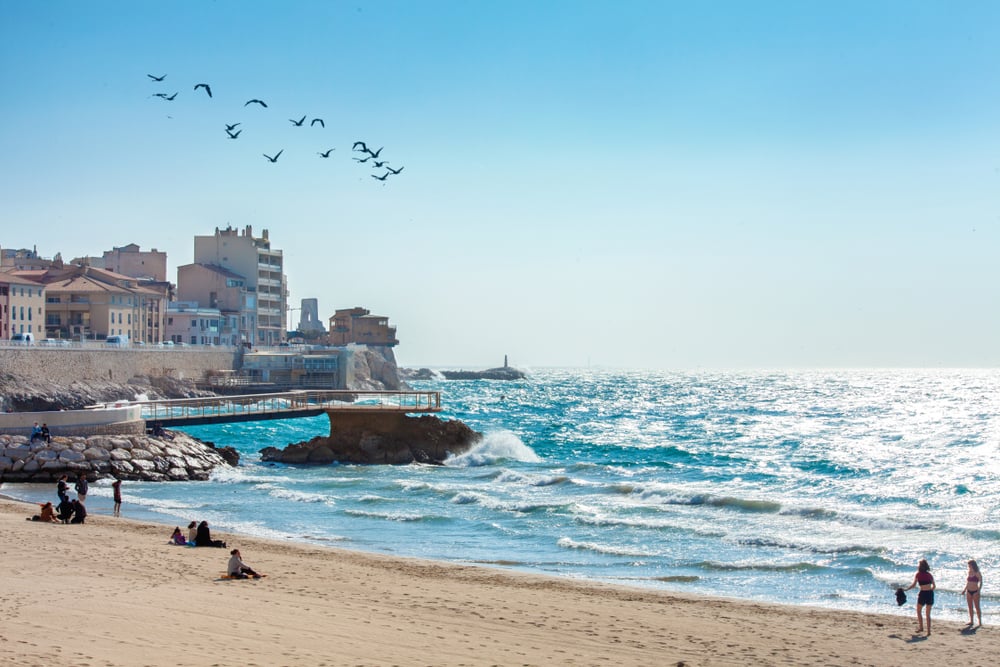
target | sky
x=622, y=184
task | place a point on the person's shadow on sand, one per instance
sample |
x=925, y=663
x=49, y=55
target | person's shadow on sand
x=968, y=630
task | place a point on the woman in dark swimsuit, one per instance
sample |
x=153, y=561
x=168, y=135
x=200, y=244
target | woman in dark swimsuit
x=925, y=599
x=973, y=588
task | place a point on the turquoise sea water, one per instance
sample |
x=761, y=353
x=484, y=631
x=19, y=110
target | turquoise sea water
x=814, y=487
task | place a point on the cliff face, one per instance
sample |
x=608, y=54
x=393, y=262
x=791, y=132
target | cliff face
x=373, y=368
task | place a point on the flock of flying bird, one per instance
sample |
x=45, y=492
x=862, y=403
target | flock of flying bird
x=233, y=133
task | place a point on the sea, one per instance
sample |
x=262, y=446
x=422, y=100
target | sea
x=807, y=487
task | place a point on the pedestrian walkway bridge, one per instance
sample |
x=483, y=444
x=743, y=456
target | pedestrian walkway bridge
x=285, y=405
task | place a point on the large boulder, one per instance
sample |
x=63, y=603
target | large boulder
x=380, y=439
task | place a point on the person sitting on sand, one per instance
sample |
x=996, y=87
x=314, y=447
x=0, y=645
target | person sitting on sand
x=972, y=591
x=192, y=532
x=65, y=509
x=79, y=512
x=925, y=599
x=178, y=537
x=238, y=569
x=204, y=537
x=48, y=514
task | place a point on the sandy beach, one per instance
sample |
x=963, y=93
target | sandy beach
x=113, y=592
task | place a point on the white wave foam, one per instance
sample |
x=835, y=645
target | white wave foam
x=567, y=543
x=496, y=446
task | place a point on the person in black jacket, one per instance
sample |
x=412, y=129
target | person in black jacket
x=204, y=537
x=65, y=509
x=79, y=512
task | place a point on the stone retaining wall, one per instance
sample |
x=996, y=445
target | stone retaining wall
x=57, y=364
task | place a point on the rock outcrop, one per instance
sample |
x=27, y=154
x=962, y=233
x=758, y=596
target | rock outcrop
x=21, y=394
x=173, y=456
x=503, y=373
x=373, y=368
x=380, y=439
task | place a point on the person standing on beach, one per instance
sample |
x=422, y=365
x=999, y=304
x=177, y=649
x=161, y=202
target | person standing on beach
x=81, y=488
x=973, y=589
x=62, y=488
x=925, y=598
x=116, y=486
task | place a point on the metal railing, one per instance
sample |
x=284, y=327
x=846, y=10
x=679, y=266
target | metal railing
x=251, y=407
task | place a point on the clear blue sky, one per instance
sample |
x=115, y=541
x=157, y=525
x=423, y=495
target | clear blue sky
x=629, y=184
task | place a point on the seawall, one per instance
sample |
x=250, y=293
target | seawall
x=63, y=365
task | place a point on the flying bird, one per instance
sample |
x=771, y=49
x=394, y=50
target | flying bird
x=205, y=86
x=260, y=102
x=357, y=159
x=326, y=154
x=297, y=123
x=382, y=177
x=230, y=128
x=169, y=98
x=395, y=171
x=317, y=120
x=379, y=165
x=163, y=95
x=359, y=143
x=276, y=156
x=375, y=154
x=157, y=78
x=232, y=135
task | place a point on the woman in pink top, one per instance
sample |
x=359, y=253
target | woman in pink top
x=972, y=590
x=925, y=599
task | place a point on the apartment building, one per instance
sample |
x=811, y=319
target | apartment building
x=89, y=303
x=22, y=306
x=215, y=287
x=262, y=270
x=130, y=260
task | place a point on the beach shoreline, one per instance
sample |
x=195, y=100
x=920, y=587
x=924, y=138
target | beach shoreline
x=113, y=592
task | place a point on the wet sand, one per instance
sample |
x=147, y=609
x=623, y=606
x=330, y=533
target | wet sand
x=113, y=592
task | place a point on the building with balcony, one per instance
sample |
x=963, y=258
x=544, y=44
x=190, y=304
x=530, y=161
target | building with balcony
x=260, y=267
x=358, y=325
x=85, y=302
x=22, y=306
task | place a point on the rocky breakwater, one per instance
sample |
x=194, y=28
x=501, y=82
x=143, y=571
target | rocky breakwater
x=173, y=456
x=380, y=439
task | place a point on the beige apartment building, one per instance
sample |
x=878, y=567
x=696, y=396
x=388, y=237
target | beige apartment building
x=358, y=325
x=130, y=260
x=84, y=302
x=262, y=270
x=22, y=306
x=216, y=287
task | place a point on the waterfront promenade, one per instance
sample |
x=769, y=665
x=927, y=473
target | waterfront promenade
x=285, y=405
